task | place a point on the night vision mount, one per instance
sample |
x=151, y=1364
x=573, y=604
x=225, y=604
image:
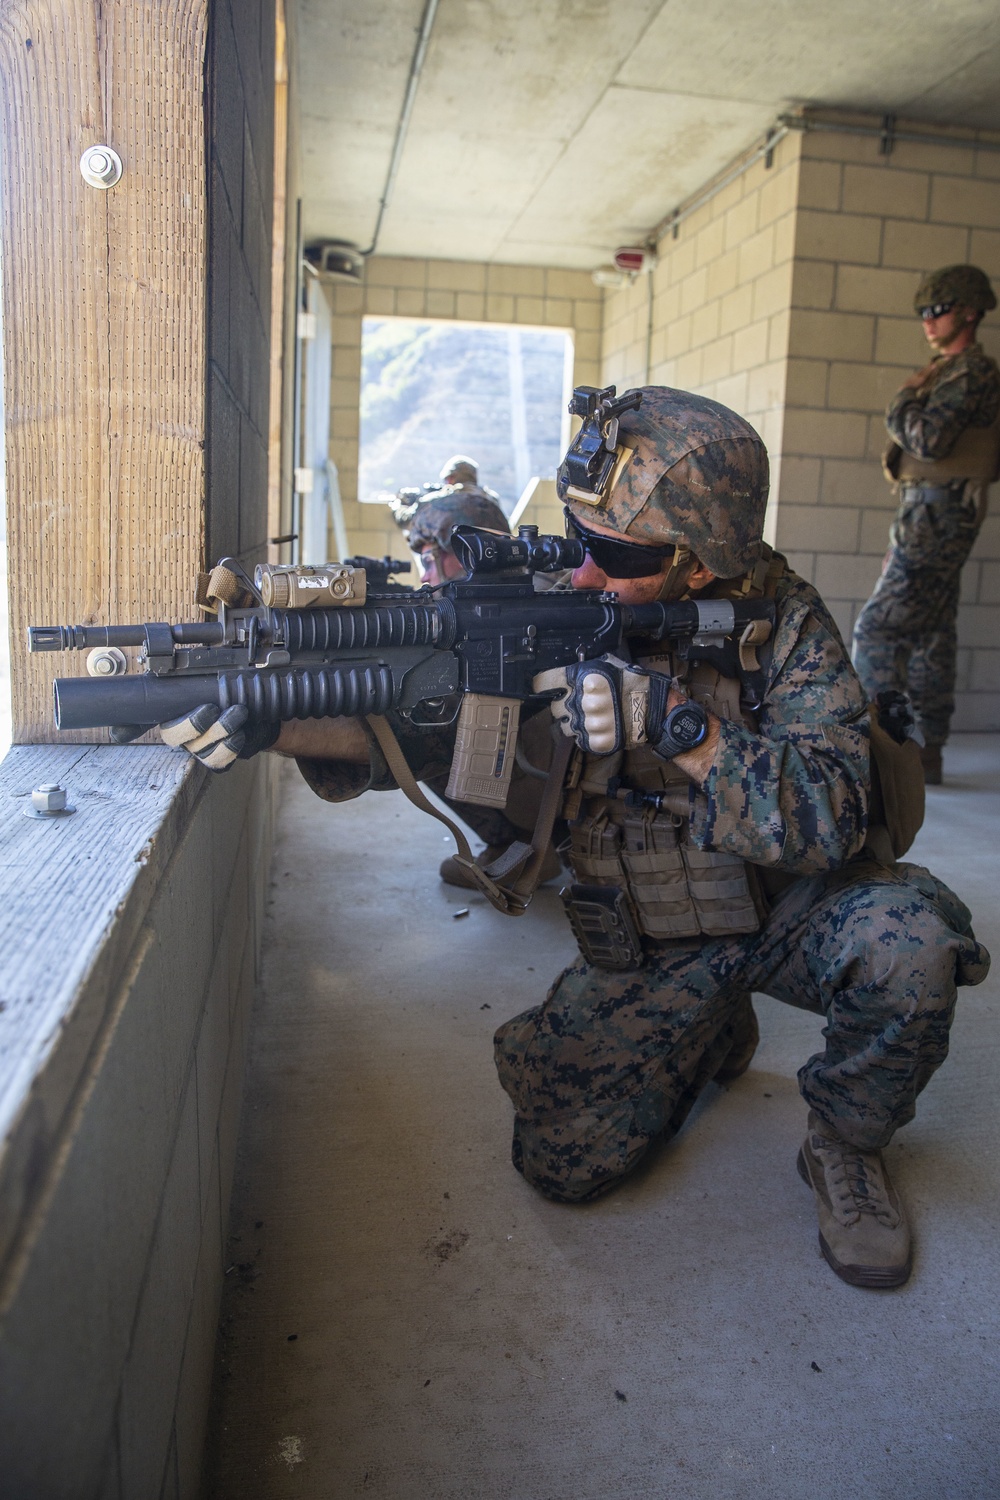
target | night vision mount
x=595, y=458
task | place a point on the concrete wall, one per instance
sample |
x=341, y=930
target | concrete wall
x=789, y=296
x=868, y=225
x=459, y=290
x=109, y=1301
x=713, y=315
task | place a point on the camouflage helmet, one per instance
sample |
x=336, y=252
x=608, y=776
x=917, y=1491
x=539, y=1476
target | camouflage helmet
x=459, y=467
x=698, y=477
x=442, y=510
x=966, y=285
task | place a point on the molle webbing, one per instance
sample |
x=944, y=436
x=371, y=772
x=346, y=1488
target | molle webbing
x=676, y=890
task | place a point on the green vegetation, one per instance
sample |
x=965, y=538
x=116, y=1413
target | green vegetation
x=429, y=390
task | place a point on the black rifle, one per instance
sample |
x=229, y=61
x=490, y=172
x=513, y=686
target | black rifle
x=379, y=570
x=466, y=650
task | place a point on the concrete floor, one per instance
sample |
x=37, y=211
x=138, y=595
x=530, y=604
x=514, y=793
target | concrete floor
x=405, y=1319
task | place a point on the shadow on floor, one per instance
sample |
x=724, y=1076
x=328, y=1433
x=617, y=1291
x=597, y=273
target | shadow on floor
x=405, y=1319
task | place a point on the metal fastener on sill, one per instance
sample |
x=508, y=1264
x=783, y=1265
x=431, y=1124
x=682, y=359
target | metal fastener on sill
x=101, y=166
x=48, y=801
x=106, y=661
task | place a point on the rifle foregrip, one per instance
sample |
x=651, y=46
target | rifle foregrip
x=271, y=696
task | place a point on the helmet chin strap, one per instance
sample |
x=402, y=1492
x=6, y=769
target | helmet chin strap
x=681, y=558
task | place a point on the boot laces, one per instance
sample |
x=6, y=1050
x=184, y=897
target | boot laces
x=856, y=1182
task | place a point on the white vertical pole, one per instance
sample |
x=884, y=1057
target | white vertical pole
x=518, y=414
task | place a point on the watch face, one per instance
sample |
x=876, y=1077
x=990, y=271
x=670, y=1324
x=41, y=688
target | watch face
x=687, y=725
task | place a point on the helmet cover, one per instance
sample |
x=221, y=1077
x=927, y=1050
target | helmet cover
x=460, y=468
x=967, y=286
x=443, y=510
x=697, y=476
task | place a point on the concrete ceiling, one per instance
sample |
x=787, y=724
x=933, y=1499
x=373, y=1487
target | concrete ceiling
x=550, y=131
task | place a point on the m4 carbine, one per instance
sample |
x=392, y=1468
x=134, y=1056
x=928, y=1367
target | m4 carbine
x=467, y=649
x=379, y=572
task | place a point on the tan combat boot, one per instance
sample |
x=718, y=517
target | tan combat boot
x=451, y=871
x=863, y=1231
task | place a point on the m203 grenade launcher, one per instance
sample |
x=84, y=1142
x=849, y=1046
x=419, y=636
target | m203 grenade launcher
x=466, y=650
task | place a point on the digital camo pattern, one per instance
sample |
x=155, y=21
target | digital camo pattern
x=962, y=391
x=698, y=476
x=611, y=1063
x=906, y=635
x=443, y=510
x=459, y=469
x=967, y=285
x=794, y=794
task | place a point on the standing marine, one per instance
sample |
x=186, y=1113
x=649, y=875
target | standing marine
x=721, y=841
x=943, y=455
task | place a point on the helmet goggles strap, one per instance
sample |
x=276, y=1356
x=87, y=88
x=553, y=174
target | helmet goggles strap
x=679, y=566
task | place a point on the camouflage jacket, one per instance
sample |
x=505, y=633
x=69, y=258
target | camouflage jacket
x=791, y=795
x=964, y=391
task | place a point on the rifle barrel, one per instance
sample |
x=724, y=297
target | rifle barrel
x=86, y=637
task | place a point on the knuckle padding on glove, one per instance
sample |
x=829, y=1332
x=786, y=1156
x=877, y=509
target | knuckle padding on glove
x=594, y=705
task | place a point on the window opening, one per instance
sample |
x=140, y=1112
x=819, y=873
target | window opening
x=431, y=389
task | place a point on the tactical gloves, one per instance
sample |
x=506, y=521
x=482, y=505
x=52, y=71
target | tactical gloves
x=213, y=736
x=606, y=705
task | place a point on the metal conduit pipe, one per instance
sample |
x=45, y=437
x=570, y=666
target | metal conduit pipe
x=887, y=133
x=403, y=124
x=676, y=217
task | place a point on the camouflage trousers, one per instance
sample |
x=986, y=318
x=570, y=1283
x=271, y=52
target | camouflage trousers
x=905, y=637
x=612, y=1062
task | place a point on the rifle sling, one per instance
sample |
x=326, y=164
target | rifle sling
x=523, y=861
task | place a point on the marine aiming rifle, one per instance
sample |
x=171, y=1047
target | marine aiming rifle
x=317, y=643
x=379, y=572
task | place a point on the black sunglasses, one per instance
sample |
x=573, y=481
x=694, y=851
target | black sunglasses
x=618, y=559
x=935, y=310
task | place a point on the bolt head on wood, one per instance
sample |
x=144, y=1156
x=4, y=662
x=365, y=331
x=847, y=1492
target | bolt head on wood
x=101, y=166
x=50, y=797
x=106, y=661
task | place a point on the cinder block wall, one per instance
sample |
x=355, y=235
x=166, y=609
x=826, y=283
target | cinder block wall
x=867, y=226
x=713, y=315
x=789, y=296
x=461, y=291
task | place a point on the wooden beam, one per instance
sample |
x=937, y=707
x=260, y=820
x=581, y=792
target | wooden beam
x=104, y=296
x=279, y=213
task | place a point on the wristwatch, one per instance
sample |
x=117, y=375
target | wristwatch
x=684, y=728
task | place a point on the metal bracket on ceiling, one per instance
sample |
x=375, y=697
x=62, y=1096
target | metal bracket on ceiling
x=770, y=142
x=887, y=136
